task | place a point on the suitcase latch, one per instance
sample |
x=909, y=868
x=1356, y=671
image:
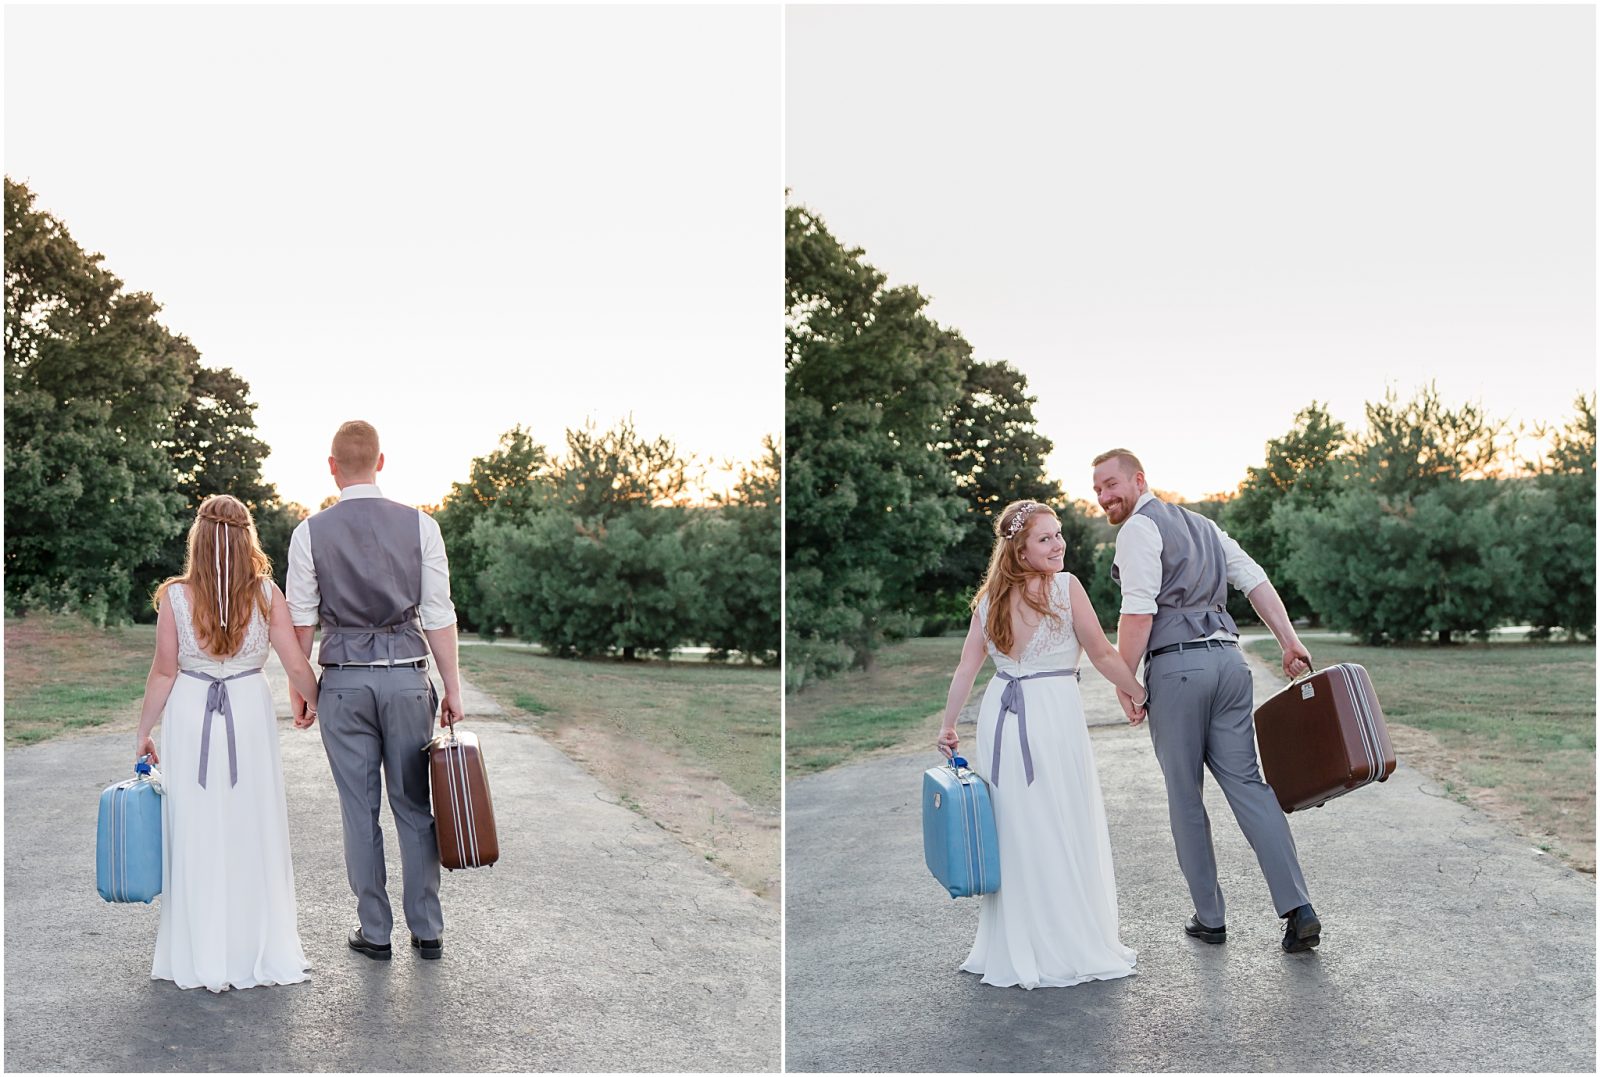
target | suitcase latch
x=936, y=800
x=1307, y=690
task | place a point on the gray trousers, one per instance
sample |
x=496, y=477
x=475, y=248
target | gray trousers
x=1201, y=703
x=372, y=719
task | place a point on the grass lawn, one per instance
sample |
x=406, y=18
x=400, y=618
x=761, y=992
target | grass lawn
x=64, y=674
x=725, y=718
x=862, y=710
x=1510, y=727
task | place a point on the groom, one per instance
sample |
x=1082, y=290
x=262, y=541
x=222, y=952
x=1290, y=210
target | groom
x=372, y=572
x=1174, y=567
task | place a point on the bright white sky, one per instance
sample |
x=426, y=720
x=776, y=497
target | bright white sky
x=1184, y=224
x=445, y=221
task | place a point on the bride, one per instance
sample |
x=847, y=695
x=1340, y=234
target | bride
x=1053, y=922
x=227, y=883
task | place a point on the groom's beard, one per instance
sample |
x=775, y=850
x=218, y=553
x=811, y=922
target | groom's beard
x=1118, y=510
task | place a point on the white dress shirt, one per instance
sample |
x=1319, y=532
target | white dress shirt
x=436, y=610
x=1138, y=563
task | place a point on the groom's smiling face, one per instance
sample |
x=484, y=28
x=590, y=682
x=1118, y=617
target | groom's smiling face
x=1118, y=488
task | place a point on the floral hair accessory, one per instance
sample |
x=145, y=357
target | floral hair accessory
x=1020, y=520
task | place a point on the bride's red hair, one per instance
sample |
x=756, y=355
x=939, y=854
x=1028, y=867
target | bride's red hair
x=1008, y=574
x=223, y=534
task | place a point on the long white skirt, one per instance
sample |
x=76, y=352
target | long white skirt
x=227, y=882
x=1053, y=922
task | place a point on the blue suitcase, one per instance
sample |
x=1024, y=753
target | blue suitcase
x=128, y=847
x=959, y=841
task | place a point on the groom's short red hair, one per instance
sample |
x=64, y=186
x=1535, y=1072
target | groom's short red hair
x=355, y=447
x=1129, y=461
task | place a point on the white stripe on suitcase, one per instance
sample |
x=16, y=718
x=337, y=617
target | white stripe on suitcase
x=1366, y=724
x=466, y=826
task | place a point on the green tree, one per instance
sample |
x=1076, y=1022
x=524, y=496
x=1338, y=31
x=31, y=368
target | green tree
x=510, y=484
x=1398, y=568
x=1306, y=466
x=585, y=588
x=872, y=507
x=1555, y=529
x=737, y=548
x=996, y=455
x=1105, y=594
x=595, y=553
x=213, y=449
x=92, y=383
x=1412, y=447
x=275, y=524
x=1421, y=539
x=114, y=431
x=617, y=470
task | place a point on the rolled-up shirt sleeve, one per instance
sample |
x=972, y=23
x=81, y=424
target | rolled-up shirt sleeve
x=436, y=611
x=1243, y=572
x=1138, y=564
x=301, y=591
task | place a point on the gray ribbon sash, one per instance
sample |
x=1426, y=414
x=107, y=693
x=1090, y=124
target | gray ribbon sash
x=217, y=701
x=1014, y=701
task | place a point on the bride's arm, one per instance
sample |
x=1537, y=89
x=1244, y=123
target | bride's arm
x=158, y=686
x=972, y=656
x=287, y=644
x=1092, y=638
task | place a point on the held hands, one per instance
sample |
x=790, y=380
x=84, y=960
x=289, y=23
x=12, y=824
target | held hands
x=304, y=713
x=1135, y=712
x=947, y=742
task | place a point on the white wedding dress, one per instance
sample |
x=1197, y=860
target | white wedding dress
x=1053, y=922
x=227, y=883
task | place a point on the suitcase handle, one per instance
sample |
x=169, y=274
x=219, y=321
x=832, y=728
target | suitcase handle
x=442, y=740
x=142, y=766
x=1310, y=669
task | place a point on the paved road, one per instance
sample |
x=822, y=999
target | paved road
x=599, y=942
x=1448, y=943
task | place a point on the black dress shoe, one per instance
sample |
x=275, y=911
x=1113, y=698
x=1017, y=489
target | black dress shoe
x=1302, y=930
x=359, y=943
x=1196, y=930
x=428, y=949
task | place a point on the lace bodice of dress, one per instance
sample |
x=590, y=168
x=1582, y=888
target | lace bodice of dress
x=1054, y=644
x=252, y=651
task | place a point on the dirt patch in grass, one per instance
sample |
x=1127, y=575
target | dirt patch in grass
x=692, y=747
x=66, y=675
x=687, y=801
x=1508, y=728
x=887, y=708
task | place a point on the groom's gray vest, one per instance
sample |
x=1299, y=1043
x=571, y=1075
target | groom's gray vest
x=367, y=553
x=1193, y=601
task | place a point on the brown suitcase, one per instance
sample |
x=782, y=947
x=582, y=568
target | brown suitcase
x=463, y=814
x=1323, y=736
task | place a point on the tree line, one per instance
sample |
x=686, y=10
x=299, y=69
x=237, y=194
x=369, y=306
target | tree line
x=902, y=447
x=1423, y=525
x=115, y=430
x=598, y=551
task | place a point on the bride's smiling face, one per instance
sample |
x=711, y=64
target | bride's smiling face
x=1043, y=549
x=1117, y=488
